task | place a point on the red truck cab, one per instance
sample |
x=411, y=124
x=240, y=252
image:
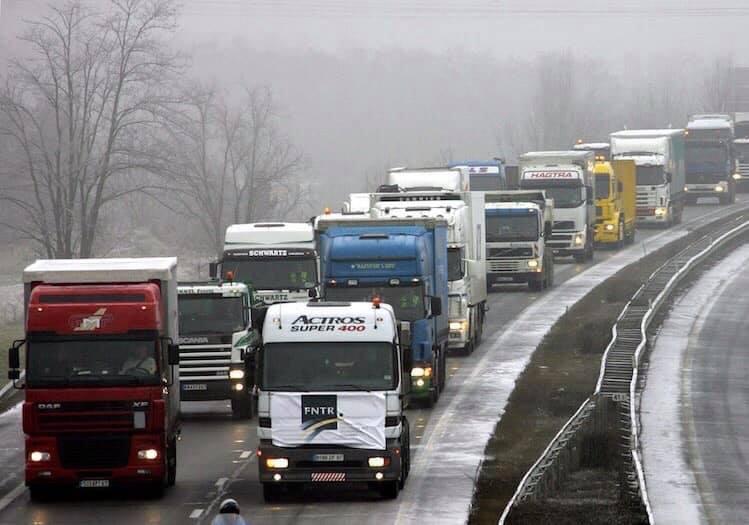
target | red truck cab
x=101, y=393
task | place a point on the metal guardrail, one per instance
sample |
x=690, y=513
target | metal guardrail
x=619, y=376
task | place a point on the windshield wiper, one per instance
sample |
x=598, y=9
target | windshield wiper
x=351, y=386
x=107, y=378
x=292, y=388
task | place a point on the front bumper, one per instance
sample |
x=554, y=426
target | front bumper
x=212, y=390
x=459, y=333
x=304, y=467
x=517, y=277
x=607, y=236
x=706, y=190
x=422, y=387
x=563, y=243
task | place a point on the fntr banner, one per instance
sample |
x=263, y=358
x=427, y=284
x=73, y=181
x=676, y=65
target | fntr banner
x=349, y=419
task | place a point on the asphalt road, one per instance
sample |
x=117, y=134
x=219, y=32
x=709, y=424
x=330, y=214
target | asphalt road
x=695, y=406
x=216, y=455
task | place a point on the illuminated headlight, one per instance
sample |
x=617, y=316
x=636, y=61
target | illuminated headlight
x=37, y=456
x=736, y=176
x=686, y=188
x=239, y=387
x=236, y=374
x=456, y=326
x=719, y=189
x=149, y=454
x=609, y=227
x=378, y=462
x=418, y=371
x=533, y=263
x=579, y=239
x=277, y=463
x=661, y=212
x=419, y=383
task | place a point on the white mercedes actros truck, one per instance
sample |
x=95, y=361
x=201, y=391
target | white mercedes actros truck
x=466, y=242
x=277, y=260
x=333, y=381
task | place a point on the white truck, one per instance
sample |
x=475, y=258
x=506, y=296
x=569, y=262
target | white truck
x=466, y=250
x=333, y=379
x=659, y=157
x=567, y=177
x=429, y=179
x=518, y=225
x=216, y=344
x=277, y=260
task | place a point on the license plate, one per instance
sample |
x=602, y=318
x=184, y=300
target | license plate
x=195, y=386
x=93, y=483
x=327, y=457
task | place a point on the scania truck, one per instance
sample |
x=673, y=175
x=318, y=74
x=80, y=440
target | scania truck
x=484, y=175
x=466, y=252
x=659, y=157
x=333, y=377
x=101, y=386
x=710, y=163
x=277, y=260
x=216, y=344
x=567, y=178
x=518, y=226
x=404, y=263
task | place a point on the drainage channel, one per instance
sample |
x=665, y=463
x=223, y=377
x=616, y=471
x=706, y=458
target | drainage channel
x=608, y=418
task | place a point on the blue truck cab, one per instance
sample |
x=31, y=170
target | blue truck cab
x=404, y=263
x=484, y=175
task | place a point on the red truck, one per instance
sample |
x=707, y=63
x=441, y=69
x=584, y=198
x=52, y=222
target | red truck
x=101, y=386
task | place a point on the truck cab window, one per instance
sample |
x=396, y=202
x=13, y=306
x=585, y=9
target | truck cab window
x=455, y=264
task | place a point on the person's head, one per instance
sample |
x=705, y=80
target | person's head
x=141, y=349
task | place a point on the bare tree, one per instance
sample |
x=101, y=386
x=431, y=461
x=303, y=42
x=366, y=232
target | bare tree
x=80, y=112
x=229, y=163
x=718, y=88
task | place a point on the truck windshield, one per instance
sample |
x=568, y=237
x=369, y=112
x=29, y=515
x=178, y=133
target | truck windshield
x=310, y=367
x=742, y=152
x=481, y=182
x=407, y=301
x=565, y=196
x=211, y=314
x=274, y=274
x=455, y=265
x=512, y=227
x=650, y=176
x=706, y=159
x=603, y=183
x=92, y=362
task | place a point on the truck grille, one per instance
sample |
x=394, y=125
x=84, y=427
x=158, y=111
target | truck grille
x=646, y=199
x=498, y=253
x=564, y=225
x=81, y=451
x=744, y=169
x=204, y=362
x=88, y=416
x=506, y=266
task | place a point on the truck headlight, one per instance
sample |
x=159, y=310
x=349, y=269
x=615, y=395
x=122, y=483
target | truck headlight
x=149, y=454
x=736, y=176
x=38, y=456
x=236, y=374
x=609, y=227
x=719, y=189
x=277, y=463
x=533, y=263
x=456, y=326
x=378, y=462
x=418, y=371
x=661, y=212
x=579, y=239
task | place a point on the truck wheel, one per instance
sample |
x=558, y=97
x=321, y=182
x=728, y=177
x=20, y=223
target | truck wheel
x=271, y=492
x=39, y=494
x=536, y=285
x=620, y=236
x=171, y=463
x=389, y=489
x=241, y=408
x=406, y=452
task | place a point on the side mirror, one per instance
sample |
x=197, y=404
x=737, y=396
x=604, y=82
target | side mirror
x=14, y=364
x=173, y=354
x=213, y=270
x=408, y=360
x=548, y=227
x=312, y=293
x=436, y=306
x=589, y=194
x=258, y=318
x=620, y=187
x=669, y=177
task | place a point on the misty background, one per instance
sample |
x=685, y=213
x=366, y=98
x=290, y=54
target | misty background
x=338, y=91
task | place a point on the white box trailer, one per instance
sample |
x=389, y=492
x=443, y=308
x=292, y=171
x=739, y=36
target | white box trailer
x=430, y=179
x=466, y=240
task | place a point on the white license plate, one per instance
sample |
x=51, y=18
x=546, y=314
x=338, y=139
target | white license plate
x=195, y=386
x=93, y=483
x=327, y=457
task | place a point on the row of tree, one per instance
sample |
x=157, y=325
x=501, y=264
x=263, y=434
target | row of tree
x=101, y=109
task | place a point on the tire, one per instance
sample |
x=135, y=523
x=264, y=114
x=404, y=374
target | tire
x=242, y=408
x=581, y=257
x=469, y=348
x=40, y=494
x=536, y=285
x=171, y=463
x=620, y=236
x=272, y=492
x=389, y=489
x=405, y=453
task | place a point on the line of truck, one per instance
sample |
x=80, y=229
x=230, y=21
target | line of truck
x=328, y=329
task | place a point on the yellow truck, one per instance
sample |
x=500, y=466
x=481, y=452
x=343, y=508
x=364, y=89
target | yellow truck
x=616, y=206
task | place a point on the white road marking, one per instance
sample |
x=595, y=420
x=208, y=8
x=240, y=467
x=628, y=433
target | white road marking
x=195, y=514
x=12, y=495
x=220, y=482
x=246, y=454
